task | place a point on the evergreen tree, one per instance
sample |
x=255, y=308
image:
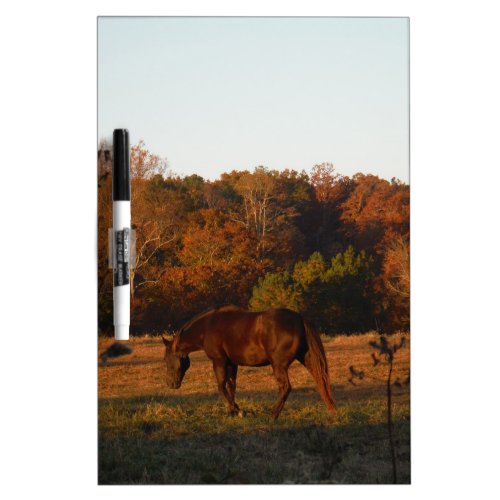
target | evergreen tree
x=276, y=290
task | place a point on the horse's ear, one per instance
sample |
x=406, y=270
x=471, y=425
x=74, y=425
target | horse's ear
x=167, y=342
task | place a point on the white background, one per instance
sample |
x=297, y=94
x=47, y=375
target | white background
x=48, y=205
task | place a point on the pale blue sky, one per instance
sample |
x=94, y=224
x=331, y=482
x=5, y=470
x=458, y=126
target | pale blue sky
x=216, y=94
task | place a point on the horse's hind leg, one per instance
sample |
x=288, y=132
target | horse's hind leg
x=281, y=375
x=222, y=375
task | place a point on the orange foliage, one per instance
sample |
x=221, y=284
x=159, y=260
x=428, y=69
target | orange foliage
x=205, y=243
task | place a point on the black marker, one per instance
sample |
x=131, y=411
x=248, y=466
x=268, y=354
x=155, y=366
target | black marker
x=121, y=234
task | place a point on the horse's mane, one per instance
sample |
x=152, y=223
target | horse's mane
x=202, y=315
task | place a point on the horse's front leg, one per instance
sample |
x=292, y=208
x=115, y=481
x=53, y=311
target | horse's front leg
x=222, y=375
x=232, y=372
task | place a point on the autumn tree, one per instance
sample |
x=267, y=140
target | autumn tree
x=154, y=215
x=295, y=199
x=221, y=195
x=216, y=265
x=397, y=267
x=324, y=178
x=192, y=190
x=227, y=251
x=266, y=212
x=374, y=212
x=331, y=190
x=257, y=192
x=396, y=279
x=144, y=164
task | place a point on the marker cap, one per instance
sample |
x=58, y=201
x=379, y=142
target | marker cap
x=121, y=332
x=121, y=165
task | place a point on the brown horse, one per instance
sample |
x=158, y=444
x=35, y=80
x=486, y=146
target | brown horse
x=231, y=337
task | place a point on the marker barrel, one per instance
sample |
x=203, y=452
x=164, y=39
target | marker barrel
x=121, y=234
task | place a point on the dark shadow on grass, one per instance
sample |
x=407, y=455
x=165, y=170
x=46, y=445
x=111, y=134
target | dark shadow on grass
x=300, y=454
x=187, y=446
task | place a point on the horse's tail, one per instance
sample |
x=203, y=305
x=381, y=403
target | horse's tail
x=315, y=362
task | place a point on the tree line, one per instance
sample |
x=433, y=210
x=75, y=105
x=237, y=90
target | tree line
x=333, y=247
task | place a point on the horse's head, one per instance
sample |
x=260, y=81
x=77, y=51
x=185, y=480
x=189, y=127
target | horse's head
x=177, y=364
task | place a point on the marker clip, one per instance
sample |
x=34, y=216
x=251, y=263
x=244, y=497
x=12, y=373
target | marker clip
x=121, y=248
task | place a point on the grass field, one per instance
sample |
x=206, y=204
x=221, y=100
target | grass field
x=149, y=434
